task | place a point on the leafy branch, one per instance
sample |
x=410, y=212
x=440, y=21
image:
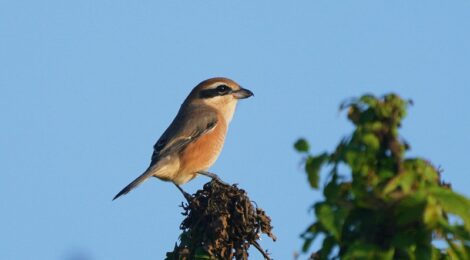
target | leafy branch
x=389, y=206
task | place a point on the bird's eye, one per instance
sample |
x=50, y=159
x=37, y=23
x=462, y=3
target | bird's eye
x=222, y=88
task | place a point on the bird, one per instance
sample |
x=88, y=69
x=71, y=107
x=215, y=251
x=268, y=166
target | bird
x=193, y=141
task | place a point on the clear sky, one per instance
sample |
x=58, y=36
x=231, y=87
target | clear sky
x=87, y=87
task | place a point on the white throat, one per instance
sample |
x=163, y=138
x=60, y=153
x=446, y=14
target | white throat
x=229, y=110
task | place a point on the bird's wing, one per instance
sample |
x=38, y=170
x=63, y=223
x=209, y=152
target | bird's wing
x=187, y=127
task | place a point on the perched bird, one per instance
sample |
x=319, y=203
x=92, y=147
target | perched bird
x=193, y=141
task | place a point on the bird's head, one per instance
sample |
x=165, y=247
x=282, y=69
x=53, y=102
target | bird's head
x=221, y=94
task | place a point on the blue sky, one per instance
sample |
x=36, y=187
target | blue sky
x=87, y=87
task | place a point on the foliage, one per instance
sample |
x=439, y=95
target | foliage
x=391, y=206
x=221, y=223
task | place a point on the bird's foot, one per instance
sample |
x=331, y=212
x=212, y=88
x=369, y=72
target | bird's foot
x=186, y=195
x=213, y=176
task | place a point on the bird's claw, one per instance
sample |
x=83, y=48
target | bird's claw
x=214, y=177
x=186, y=195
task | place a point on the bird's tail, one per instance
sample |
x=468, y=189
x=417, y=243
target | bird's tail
x=135, y=183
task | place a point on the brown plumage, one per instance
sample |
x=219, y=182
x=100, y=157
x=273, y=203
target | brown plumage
x=194, y=140
x=202, y=153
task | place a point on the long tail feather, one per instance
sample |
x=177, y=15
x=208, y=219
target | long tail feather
x=134, y=184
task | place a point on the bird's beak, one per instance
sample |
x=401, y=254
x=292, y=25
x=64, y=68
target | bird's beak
x=242, y=93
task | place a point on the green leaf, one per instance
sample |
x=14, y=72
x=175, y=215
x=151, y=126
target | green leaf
x=453, y=203
x=458, y=231
x=404, y=238
x=361, y=250
x=410, y=209
x=313, y=166
x=307, y=244
x=375, y=126
x=386, y=174
x=369, y=100
x=404, y=180
x=309, y=236
x=432, y=213
x=301, y=145
x=430, y=173
x=326, y=216
x=328, y=244
x=371, y=141
x=438, y=254
x=423, y=252
x=335, y=192
x=457, y=251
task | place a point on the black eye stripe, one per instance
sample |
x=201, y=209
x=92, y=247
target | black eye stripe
x=220, y=90
x=208, y=93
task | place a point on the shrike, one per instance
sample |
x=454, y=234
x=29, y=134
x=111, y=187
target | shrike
x=193, y=141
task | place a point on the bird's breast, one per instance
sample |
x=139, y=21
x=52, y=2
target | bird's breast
x=202, y=153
